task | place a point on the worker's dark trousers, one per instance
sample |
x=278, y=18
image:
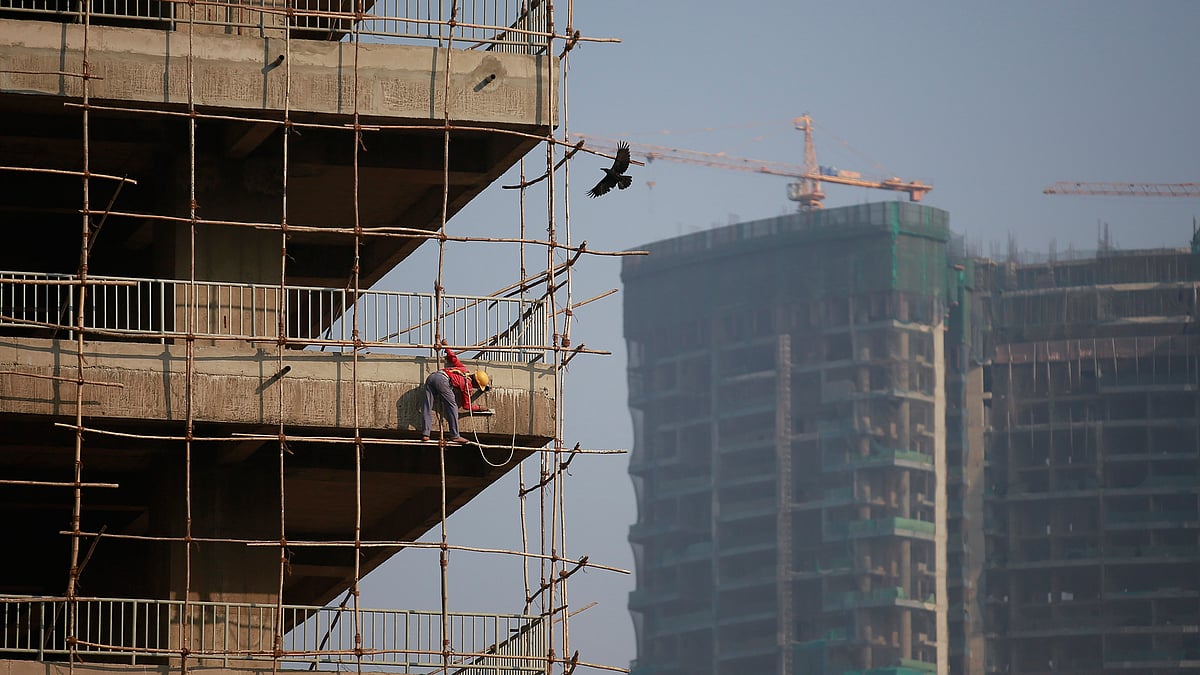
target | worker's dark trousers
x=438, y=385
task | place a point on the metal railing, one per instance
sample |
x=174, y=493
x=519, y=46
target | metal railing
x=129, y=13
x=321, y=638
x=510, y=26
x=503, y=329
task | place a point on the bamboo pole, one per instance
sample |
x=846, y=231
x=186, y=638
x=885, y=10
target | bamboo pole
x=355, y=588
x=189, y=342
x=85, y=225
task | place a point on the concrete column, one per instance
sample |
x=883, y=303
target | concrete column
x=227, y=501
x=973, y=495
x=941, y=590
x=783, y=453
x=234, y=502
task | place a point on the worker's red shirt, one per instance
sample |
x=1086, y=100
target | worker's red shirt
x=460, y=381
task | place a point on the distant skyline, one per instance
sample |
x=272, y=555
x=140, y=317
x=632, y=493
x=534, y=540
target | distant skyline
x=989, y=103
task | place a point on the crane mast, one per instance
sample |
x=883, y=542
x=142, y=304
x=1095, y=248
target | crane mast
x=807, y=191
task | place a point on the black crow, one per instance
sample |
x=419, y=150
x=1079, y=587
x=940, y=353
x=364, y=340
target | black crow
x=615, y=175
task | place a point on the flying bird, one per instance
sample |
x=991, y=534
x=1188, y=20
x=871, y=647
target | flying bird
x=614, y=176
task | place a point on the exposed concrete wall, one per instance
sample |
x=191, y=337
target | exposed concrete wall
x=973, y=460
x=235, y=384
x=232, y=71
x=942, y=594
x=232, y=254
x=237, y=501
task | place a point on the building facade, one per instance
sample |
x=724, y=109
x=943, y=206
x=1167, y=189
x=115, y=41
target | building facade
x=787, y=381
x=1093, y=479
x=859, y=451
x=211, y=426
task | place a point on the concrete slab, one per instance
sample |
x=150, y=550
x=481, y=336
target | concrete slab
x=237, y=385
x=245, y=73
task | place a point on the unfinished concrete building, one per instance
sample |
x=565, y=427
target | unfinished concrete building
x=787, y=385
x=211, y=420
x=858, y=450
x=1093, y=476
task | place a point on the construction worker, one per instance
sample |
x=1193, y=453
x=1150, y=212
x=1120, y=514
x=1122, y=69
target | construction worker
x=451, y=385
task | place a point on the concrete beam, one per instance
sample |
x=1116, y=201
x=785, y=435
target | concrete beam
x=236, y=385
x=241, y=72
x=245, y=139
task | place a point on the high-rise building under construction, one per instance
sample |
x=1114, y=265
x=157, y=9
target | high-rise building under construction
x=211, y=412
x=1093, y=475
x=859, y=451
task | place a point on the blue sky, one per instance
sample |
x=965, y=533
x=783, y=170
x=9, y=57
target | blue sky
x=989, y=102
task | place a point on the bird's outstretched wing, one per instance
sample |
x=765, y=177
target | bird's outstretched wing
x=621, y=163
x=613, y=176
x=607, y=183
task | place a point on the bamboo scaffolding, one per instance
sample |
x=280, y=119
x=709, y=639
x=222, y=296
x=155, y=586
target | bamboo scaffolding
x=383, y=232
x=350, y=543
x=77, y=501
x=292, y=124
x=51, y=483
x=302, y=438
x=297, y=653
x=190, y=342
x=292, y=341
x=594, y=298
x=66, y=172
x=556, y=567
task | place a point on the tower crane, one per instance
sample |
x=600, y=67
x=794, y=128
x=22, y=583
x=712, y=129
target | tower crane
x=1063, y=187
x=806, y=189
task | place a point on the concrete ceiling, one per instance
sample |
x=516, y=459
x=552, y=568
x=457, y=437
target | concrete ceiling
x=239, y=177
x=400, y=501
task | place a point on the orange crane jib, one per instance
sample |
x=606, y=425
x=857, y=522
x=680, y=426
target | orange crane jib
x=1063, y=187
x=807, y=188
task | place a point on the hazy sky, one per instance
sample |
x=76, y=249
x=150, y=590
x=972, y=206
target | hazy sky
x=989, y=102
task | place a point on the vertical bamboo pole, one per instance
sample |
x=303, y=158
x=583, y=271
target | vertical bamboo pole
x=358, y=444
x=281, y=337
x=85, y=233
x=190, y=342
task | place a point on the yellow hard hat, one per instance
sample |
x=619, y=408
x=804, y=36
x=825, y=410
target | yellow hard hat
x=482, y=379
